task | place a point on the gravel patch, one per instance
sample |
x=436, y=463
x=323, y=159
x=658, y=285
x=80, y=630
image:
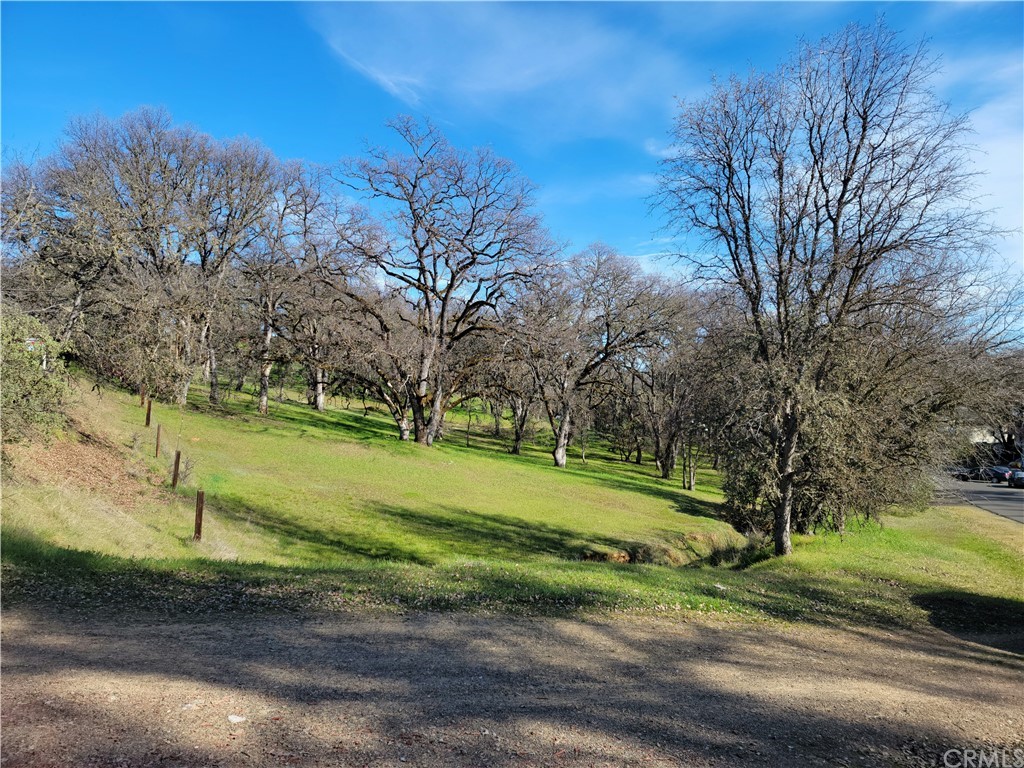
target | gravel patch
x=457, y=690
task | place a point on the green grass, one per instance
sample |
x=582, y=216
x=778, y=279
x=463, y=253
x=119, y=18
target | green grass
x=310, y=511
x=322, y=490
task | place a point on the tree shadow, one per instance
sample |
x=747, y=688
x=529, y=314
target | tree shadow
x=446, y=529
x=691, y=505
x=603, y=468
x=330, y=543
x=371, y=427
x=470, y=533
x=431, y=690
x=994, y=621
x=89, y=586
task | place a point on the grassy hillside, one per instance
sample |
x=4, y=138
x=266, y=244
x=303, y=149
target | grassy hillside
x=320, y=490
x=313, y=511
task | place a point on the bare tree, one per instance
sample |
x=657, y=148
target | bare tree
x=381, y=346
x=266, y=269
x=461, y=229
x=235, y=190
x=834, y=196
x=104, y=228
x=328, y=240
x=999, y=406
x=508, y=383
x=579, y=317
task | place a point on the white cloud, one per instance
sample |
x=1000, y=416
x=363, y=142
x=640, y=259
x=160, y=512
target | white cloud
x=404, y=87
x=523, y=65
x=662, y=150
x=991, y=87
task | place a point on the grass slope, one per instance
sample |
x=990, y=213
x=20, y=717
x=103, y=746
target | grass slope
x=310, y=511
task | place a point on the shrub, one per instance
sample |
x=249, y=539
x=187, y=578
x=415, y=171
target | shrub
x=731, y=553
x=34, y=383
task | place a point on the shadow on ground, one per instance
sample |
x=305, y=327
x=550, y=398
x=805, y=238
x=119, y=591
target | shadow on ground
x=434, y=690
x=994, y=621
x=83, y=584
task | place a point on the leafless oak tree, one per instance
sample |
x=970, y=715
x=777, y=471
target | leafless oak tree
x=576, y=319
x=460, y=230
x=833, y=195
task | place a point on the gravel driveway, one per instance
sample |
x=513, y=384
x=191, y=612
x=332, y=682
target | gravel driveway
x=444, y=690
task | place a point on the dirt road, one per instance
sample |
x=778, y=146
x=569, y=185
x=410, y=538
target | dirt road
x=442, y=690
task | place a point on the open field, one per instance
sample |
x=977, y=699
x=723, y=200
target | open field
x=318, y=490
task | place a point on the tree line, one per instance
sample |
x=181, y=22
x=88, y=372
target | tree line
x=836, y=325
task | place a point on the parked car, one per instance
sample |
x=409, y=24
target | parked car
x=1000, y=474
x=986, y=474
x=1016, y=479
x=971, y=473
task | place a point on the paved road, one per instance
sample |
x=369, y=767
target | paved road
x=998, y=499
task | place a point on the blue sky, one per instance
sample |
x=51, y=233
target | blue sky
x=579, y=95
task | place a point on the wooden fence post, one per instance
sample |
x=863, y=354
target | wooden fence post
x=157, y=441
x=149, y=410
x=177, y=464
x=200, y=500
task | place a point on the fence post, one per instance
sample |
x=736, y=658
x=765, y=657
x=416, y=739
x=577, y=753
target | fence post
x=157, y=441
x=200, y=500
x=149, y=410
x=177, y=464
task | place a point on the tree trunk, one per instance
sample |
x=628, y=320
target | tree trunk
x=496, y=413
x=183, y=387
x=787, y=453
x=690, y=455
x=419, y=423
x=72, y=321
x=266, y=364
x=319, y=387
x=399, y=411
x=265, y=367
x=562, y=434
x=783, y=510
x=435, y=422
x=668, y=458
x=559, y=454
x=668, y=466
x=659, y=452
x=214, y=384
x=639, y=453
x=184, y=382
x=520, y=413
